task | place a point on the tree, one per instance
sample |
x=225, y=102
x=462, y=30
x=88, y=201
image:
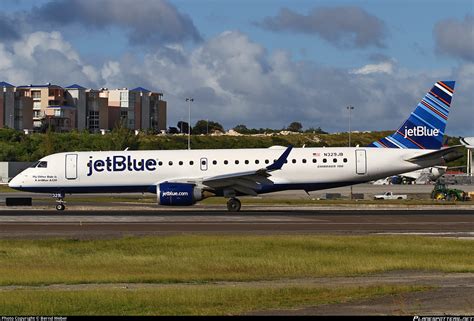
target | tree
x=173, y=130
x=121, y=137
x=183, y=126
x=242, y=129
x=205, y=127
x=295, y=127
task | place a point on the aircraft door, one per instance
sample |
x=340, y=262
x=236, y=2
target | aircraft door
x=361, y=162
x=71, y=166
x=203, y=163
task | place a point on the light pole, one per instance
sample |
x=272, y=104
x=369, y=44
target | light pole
x=189, y=100
x=350, y=108
x=207, y=127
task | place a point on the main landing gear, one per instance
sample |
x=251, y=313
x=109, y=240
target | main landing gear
x=233, y=204
x=60, y=201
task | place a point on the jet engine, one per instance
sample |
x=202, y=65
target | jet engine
x=179, y=194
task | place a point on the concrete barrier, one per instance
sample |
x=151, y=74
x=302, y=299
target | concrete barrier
x=18, y=201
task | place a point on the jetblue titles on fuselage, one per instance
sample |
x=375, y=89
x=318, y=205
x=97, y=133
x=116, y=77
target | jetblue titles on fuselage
x=120, y=163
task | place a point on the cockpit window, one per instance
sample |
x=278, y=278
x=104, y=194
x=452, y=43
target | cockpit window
x=34, y=165
x=42, y=164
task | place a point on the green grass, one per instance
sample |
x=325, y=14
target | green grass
x=201, y=259
x=194, y=300
x=5, y=189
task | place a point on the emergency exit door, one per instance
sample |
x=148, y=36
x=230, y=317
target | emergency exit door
x=71, y=166
x=361, y=162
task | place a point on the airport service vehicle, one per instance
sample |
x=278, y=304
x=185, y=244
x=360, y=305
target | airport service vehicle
x=442, y=192
x=184, y=177
x=389, y=196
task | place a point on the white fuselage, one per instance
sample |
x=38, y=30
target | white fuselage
x=140, y=171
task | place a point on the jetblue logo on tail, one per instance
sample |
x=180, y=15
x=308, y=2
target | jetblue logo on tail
x=420, y=131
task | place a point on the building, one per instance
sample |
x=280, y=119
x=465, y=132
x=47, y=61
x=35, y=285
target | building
x=7, y=105
x=43, y=96
x=16, y=110
x=75, y=107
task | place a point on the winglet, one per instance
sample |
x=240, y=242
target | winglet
x=278, y=164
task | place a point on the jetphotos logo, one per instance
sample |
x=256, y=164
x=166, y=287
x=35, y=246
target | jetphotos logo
x=420, y=131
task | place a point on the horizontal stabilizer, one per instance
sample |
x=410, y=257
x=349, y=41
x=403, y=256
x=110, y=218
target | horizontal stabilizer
x=448, y=154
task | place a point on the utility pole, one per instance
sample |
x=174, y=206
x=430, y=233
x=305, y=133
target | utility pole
x=350, y=108
x=189, y=100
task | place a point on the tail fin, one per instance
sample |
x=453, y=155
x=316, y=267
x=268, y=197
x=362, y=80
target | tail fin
x=424, y=129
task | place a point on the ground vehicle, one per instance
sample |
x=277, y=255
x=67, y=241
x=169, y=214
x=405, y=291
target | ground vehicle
x=442, y=192
x=390, y=196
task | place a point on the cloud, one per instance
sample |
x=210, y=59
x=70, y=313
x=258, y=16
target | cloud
x=42, y=57
x=235, y=80
x=7, y=29
x=456, y=38
x=347, y=27
x=380, y=67
x=150, y=23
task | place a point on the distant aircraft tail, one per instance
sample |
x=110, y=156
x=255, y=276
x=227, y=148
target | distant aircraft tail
x=424, y=129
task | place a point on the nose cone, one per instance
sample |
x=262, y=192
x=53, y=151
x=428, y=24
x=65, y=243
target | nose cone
x=15, y=182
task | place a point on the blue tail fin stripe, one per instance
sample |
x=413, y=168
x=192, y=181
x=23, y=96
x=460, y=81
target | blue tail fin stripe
x=397, y=143
x=435, y=106
x=425, y=122
x=436, y=102
x=432, y=113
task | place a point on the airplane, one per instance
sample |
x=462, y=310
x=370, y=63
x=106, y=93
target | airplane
x=184, y=177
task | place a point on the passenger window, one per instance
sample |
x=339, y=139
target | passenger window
x=345, y=160
x=314, y=160
x=267, y=161
x=214, y=162
x=236, y=162
x=170, y=163
x=42, y=164
x=304, y=160
x=180, y=162
x=257, y=161
x=226, y=162
x=334, y=160
x=160, y=163
x=246, y=161
x=293, y=161
x=325, y=160
x=191, y=162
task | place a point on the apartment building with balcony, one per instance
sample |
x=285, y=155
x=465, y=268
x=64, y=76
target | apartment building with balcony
x=75, y=107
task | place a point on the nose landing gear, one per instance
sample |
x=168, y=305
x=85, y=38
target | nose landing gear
x=60, y=201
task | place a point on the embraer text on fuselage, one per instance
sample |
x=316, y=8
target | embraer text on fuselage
x=120, y=163
x=419, y=131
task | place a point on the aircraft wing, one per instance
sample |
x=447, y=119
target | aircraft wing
x=248, y=182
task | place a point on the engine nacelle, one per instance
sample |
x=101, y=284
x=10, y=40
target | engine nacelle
x=178, y=194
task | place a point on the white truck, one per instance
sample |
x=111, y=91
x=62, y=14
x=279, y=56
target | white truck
x=390, y=196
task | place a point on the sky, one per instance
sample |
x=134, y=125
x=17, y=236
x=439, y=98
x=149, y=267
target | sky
x=262, y=63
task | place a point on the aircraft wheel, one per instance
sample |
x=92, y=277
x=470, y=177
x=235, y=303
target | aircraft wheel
x=233, y=205
x=60, y=207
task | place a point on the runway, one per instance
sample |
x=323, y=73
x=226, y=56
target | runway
x=105, y=224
